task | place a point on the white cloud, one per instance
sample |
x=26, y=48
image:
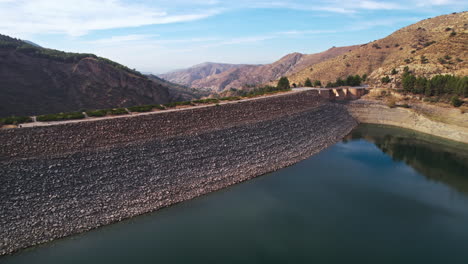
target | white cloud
x=121, y=39
x=373, y=5
x=79, y=17
x=367, y=24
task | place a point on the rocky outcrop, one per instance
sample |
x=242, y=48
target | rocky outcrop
x=65, y=179
x=375, y=112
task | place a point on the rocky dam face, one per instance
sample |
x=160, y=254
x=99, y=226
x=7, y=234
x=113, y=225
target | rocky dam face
x=65, y=179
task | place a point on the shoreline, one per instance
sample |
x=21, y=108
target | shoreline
x=376, y=112
x=66, y=179
x=48, y=195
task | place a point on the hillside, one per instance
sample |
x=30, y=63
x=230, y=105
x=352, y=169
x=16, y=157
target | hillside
x=432, y=46
x=35, y=80
x=187, y=76
x=252, y=75
x=179, y=92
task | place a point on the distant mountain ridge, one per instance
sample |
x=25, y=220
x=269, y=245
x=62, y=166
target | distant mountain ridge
x=240, y=76
x=200, y=71
x=35, y=80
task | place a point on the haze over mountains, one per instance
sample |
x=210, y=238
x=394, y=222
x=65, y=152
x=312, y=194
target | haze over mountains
x=34, y=80
x=200, y=71
x=433, y=46
x=218, y=76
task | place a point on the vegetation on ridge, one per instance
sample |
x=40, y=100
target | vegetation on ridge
x=57, y=55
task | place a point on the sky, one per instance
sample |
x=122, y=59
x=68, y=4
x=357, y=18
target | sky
x=163, y=35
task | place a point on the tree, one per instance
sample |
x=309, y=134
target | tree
x=364, y=77
x=408, y=82
x=339, y=82
x=308, y=83
x=419, y=85
x=386, y=80
x=283, y=83
x=356, y=80
x=317, y=83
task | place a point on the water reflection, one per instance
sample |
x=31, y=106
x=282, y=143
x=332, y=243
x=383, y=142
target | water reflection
x=437, y=159
x=356, y=202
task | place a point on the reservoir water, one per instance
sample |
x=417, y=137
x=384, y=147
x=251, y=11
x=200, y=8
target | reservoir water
x=383, y=195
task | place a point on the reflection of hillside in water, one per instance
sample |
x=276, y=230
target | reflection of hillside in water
x=435, y=158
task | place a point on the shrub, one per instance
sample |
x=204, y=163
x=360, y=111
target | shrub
x=175, y=104
x=97, y=113
x=386, y=80
x=394, y=71
x=404, y=106
x=60, y=116
x=455, y=101
x=431, y=100
x=442, y=61
x=231, y=98
x=427, y=44
x=159, y=107
x=424, y=59
x=140, y=108
x=117, y=111
x=14, y=120
x=207, y=101
x=453, y=34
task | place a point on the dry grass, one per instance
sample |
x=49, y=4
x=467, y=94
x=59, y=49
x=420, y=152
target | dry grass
x=379, y=58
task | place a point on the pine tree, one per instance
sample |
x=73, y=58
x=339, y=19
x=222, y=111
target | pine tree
x=283, y=83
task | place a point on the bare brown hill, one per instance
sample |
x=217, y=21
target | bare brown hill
x=34, y=80
x=188, y=76
x=433, y=46
x=252, y=75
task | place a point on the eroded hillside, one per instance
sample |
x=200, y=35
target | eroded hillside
x=432, y=46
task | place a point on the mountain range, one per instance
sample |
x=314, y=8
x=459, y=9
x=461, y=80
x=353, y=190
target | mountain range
x=36, y=80
x=218, y=76
x=433, y=46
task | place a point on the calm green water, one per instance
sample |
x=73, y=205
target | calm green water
x=381, y=196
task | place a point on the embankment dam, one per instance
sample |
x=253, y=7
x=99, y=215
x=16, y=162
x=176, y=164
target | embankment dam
x=68, y=178
x=65, y=179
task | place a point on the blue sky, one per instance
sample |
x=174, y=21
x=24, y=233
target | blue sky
x=162, y=35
